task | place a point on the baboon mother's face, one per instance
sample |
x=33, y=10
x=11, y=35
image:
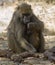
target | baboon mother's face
x=26, y=17
x=26, y=13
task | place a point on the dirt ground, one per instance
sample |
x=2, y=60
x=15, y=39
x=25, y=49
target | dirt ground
x=26, y=61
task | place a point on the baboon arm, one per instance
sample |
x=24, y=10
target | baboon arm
x=23, y=42
x=27, y=46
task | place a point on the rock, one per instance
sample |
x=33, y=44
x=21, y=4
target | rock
x=16, y=58
x=49, y=41
x=20, y=57
x=52, y=50
x=6, y=53
x=50, y=54
x=35, y=61
x=6, y=61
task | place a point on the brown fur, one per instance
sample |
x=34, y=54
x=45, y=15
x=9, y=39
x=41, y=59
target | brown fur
x=20, y=41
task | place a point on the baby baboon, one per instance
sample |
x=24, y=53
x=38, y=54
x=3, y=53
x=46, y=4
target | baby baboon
x=36, y=37
x=25, y=31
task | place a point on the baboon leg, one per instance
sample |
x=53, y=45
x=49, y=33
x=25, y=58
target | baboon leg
x=41, y=43
x=12, y=43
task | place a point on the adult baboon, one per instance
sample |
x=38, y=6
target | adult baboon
x=25, y=31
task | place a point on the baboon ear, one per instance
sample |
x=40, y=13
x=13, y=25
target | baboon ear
x=18, y=7
x=30, y=6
